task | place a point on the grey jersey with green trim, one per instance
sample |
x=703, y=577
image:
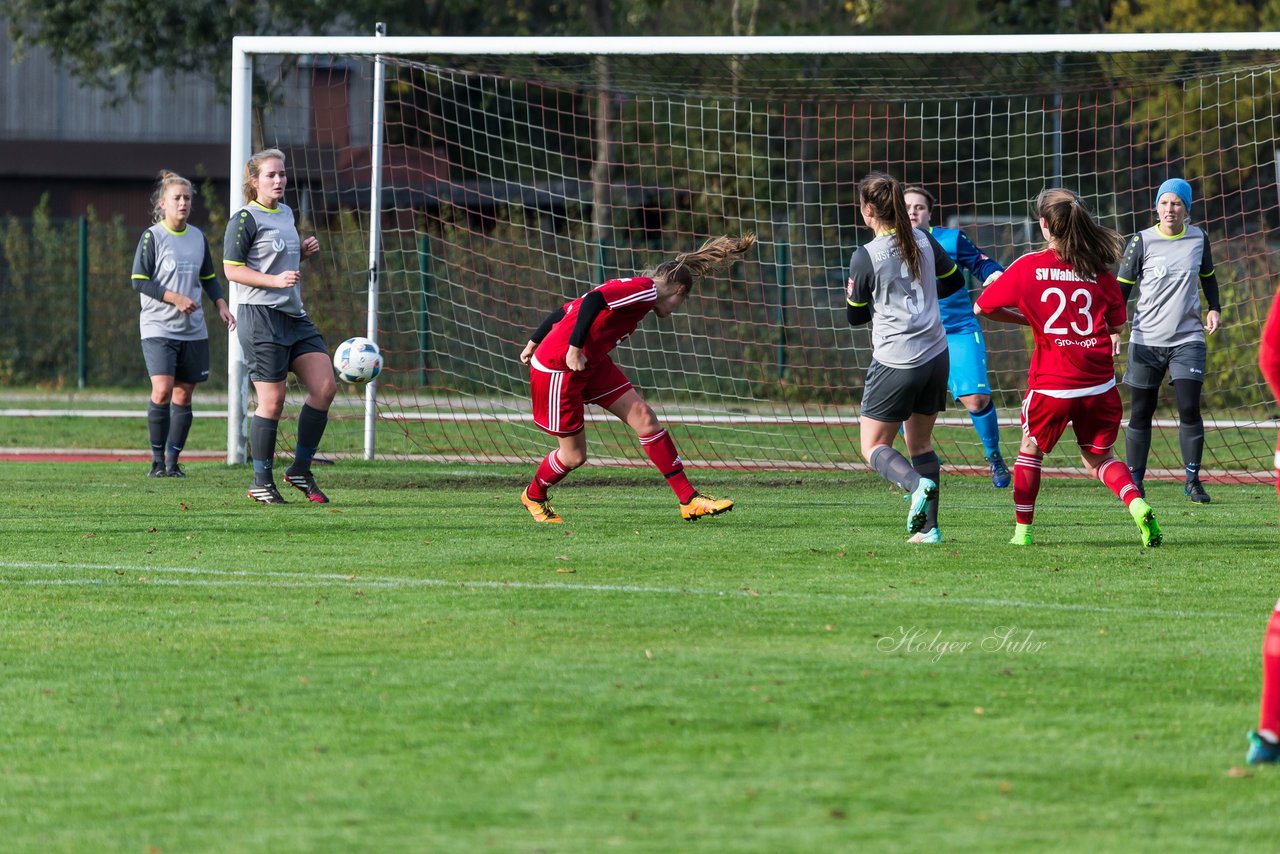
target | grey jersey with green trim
x=266, y=240
x=179, y=262
x=1167, y=272
x=906, y=327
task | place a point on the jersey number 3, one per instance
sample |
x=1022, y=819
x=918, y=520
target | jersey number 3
x=915, y=293
x=1081, y=300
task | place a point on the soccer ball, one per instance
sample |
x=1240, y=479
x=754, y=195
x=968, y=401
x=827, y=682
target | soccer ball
x=357, y=360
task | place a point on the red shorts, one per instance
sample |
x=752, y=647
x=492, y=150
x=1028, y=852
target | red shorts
x=559, y=397
x=1094, y=419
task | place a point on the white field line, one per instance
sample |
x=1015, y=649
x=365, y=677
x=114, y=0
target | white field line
x=188, y=576
x=674, y=417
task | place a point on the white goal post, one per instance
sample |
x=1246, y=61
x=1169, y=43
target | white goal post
x=245, y=50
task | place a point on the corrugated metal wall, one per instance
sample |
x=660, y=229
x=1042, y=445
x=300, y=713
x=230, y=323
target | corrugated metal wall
x=40, y=101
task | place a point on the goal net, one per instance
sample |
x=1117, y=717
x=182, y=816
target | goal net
x=518, y=174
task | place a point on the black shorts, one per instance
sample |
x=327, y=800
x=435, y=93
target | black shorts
x=895, y=394
x=185, y=361
x=1147, y=365
x=271, y=340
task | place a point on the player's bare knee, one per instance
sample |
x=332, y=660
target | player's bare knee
x=644, y=420
x=322, y=396
x=571, y=459
x=647, y=426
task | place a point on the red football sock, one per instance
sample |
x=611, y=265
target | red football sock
x=1026, y=486
x=662, y=452
x=1269, y=717
x=550, y=472
x=1118, y=479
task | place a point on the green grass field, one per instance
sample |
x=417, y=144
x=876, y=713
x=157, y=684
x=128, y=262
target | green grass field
x=419, y=667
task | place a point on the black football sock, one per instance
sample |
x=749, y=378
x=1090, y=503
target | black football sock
x=311, y=424
x=157, y=428
x=262, y=445
x=179, y=427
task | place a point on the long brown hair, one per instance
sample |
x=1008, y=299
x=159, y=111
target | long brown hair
x=1083, y=244
x=688, y=267
x=885, y=196
x=164, y=181
x=254, y=166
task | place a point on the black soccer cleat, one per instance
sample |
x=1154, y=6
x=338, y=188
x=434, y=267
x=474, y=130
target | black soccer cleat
x=157, y=470
x=266, y=493
x=306, y=484
x=174, y=470
x=1195, y=491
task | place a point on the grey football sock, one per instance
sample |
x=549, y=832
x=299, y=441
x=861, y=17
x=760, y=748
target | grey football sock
x=894, y=467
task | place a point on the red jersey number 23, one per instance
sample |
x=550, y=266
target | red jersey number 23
x=1081, y=321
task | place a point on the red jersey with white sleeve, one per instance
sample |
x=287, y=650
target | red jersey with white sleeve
x=627, y=301
x=1070, y=318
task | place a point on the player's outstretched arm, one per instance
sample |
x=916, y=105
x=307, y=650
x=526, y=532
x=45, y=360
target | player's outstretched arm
x=981, y=266
x=1001, y=315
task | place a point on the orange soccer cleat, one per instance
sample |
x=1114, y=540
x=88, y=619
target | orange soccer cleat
x=540, y=510
x=704, y=505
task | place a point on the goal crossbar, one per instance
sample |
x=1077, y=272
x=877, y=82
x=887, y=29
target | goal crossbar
x=745, y=45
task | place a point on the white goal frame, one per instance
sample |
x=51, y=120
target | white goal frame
x=245, y=48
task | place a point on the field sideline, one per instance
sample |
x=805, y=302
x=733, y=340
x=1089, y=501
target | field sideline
x=419, y=667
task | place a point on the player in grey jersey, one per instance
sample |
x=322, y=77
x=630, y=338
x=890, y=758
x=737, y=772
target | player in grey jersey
x=262, y=255
x=172, y=267
x=1169, y=264
x=894, y=284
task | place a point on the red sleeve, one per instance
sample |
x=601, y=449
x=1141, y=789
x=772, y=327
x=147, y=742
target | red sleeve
x=637, y=290
x=1003, y=292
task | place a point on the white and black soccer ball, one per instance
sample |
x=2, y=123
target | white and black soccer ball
x=357, y=360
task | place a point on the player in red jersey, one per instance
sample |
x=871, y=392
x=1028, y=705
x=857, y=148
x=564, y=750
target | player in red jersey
x=1269, y=362
x=569, y=367
x=1264, y=742
x=1068, y=296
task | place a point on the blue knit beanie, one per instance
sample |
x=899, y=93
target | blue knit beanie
x=1179, y=188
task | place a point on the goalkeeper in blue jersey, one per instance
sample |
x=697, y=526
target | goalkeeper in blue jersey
x=967, y=381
